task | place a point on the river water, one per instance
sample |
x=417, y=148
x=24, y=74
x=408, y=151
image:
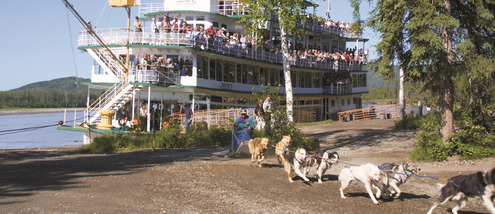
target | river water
x=37, y=137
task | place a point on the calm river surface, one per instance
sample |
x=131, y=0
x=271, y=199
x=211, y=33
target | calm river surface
x=42, y=137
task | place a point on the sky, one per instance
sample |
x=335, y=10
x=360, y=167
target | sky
x=40, y=37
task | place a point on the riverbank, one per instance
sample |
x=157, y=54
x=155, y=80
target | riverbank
x=195, y=180
x=37, y=110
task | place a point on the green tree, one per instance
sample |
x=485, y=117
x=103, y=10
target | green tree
x=290, y=16
x=444, y=37
x=389, y=18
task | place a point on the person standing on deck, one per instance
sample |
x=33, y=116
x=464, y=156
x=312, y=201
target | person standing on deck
x=139, y=29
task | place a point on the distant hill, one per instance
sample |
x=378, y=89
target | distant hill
x=65, y=83
x=57, y=93
x=378, y=82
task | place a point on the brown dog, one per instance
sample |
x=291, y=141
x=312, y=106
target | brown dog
x=258, y=147
x=282, y=148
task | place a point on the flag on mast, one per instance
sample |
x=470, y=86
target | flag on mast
x=328, y=10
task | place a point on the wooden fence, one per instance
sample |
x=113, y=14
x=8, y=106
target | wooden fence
x=375, y=112
x=304, y=116
x=225, y=117
x=217, y=117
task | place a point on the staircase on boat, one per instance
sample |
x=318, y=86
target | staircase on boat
x=116, y=96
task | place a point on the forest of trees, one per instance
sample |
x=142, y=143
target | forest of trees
x=57, y=93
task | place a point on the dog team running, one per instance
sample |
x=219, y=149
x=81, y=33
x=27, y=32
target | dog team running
x=380, y=178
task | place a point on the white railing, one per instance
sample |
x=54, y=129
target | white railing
x=338, y=88
x=231, y=8
x=146, y=8
x=144, y=75
x=217, y=46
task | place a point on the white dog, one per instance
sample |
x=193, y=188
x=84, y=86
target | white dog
x=322, y=163
x=369, y=174
x=298, y=163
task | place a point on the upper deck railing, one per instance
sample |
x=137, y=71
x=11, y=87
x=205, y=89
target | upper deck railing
x=233, y=8
x=146, y=8
x=118, y=37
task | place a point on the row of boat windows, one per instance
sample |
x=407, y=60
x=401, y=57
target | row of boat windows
x=229, y=71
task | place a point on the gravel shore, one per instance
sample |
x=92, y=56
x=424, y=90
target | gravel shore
x=196, y=180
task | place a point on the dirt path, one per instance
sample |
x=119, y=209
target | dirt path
x=55, y=180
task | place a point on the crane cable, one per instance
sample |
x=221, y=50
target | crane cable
x=72, y=45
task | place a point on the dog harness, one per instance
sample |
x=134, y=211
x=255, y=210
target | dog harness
x=458, y=185
x=487, y=181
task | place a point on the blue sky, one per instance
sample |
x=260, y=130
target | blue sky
x=37, y=43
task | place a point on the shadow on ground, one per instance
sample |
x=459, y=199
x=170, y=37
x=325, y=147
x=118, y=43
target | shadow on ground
x=23, y=172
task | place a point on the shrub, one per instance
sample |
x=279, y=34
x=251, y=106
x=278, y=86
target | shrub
x=170, y=137
x=102, y=144
x=473, y=142
x=468, y=141
x=434, y=150
x=409, y=122
x=430, y=146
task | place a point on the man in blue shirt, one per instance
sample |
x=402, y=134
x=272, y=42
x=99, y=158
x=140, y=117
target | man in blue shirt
x=243, y=127
x=244, y=121
x=188, y=112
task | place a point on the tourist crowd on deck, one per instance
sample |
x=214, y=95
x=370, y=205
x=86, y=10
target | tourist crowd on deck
x=234, y=40
x=223, y=39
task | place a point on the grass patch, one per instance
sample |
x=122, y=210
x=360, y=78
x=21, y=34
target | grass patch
x=315, y=123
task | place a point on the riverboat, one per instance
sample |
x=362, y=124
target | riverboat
x=169, y=63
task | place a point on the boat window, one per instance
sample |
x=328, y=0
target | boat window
x=238, y=73
x=215, y=24
x=273, y=77
x=200, y=18
x=186, y=61
x=333, y=103
x=218, y=70
x=244, y=74
x=216, y=99
x=300, y=79
x=189, y=18
x=241, y=101
x=200, y=66
x=308, y=79
x=229, y=100
x=342, y=102
x=212, y=69
x=256, y=75
x=317, y=80
x=97, y=68
x=228, y=71
x=263, y=76
x=250, y=73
